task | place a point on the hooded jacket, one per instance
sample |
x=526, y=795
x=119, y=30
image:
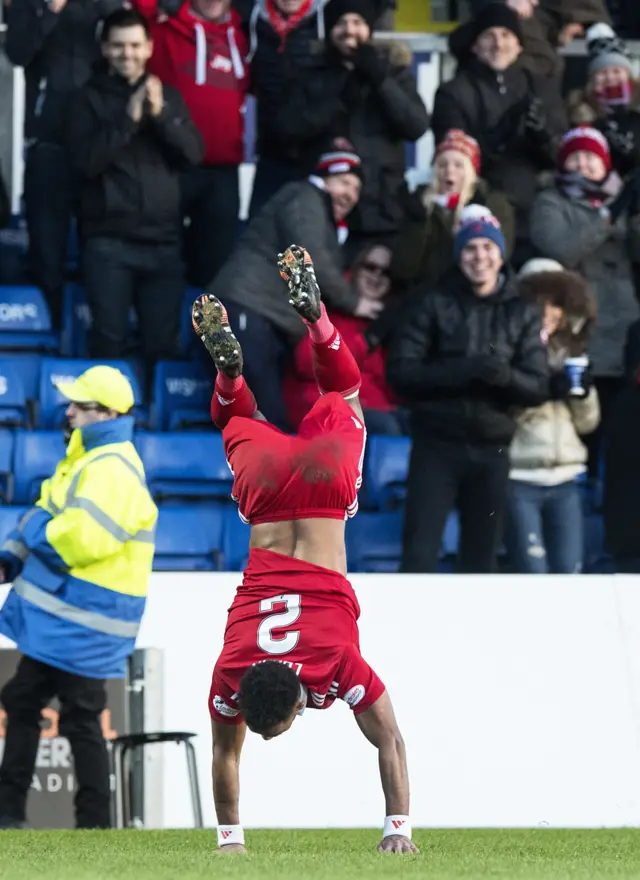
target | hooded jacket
x=80, y=559
x=206, y=62
x=276, y=62
x=433, y=351
x=546, y=447
x=334, y=101
x=492, y=107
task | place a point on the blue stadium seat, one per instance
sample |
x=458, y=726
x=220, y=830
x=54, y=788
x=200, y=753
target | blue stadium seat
x=9, y=518
x=35, y=458
x=189, y=465
x=29, y=366
x=25, y=322
x=235, y=540
x=7, y=480
x=386, y=469
x=53, y=404
x=182, y=395
x=189, y=537
x=13, y=400
x=374, y=542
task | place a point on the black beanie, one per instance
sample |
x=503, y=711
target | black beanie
x=497, y=15
x=337, y=8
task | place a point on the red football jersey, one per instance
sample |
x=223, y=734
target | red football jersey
x=300, y=614
x=316, y=473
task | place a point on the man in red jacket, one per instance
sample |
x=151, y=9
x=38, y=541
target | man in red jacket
x=200, y=49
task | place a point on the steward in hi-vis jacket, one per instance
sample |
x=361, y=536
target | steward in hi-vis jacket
x=79, y=562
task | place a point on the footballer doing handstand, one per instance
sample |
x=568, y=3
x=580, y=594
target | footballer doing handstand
x=291, y=640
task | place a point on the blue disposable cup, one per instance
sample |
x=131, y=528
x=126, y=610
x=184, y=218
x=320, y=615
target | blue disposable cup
x=575, y=368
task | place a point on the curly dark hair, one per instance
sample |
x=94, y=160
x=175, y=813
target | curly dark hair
x=268, y=693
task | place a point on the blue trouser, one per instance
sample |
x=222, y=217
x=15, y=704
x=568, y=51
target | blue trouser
x=544, y=531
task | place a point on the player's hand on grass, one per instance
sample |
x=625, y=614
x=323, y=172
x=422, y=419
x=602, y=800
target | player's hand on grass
x=232, y=848
x=397, y=843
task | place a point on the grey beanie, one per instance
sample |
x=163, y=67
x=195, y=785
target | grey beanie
x=606, y=49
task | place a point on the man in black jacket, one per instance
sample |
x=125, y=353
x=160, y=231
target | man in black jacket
x=467, y=352
x=516, y=117
x=55, y=41
x=129, y=139
x=370, y=96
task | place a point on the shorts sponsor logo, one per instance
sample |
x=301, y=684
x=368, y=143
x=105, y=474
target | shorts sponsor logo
x=354, y=695
x=223, y=709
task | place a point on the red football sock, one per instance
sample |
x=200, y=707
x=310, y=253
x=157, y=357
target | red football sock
x=231, y=397
x=334, y=366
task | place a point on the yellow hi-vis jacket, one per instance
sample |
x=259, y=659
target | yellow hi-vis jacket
x=80, y=559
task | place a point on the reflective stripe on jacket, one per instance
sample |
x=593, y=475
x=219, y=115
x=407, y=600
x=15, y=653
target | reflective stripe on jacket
x=80, y=559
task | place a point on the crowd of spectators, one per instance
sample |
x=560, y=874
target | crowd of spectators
x=494, y=311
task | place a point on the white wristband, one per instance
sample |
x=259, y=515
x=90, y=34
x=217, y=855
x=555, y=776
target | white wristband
x=230, y=834
x=397, y=825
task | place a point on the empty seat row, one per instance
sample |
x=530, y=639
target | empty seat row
x=197, y=537
x=182, y=391
x=190, y=465
x=25, y=321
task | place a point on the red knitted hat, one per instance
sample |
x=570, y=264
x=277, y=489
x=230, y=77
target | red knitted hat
x=457, y=140
x=588, y=139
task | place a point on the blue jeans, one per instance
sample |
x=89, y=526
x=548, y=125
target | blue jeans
x=544, y=531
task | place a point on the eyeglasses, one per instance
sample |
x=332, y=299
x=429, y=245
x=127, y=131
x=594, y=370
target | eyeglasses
x=87, y=407
x=376, y=269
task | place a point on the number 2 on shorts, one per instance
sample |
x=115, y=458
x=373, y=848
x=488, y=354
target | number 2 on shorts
x=288, y=641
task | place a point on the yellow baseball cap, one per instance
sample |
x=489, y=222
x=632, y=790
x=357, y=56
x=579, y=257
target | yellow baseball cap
x=104, y=385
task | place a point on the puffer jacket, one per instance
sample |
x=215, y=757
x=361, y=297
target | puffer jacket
x=575, y=233
x=548, y=436
x=430, y=353
x=330, y=100
x=492, y=107
x=80, y=560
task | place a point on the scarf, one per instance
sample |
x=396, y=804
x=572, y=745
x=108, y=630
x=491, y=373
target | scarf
x=615, y=96
x=575, y=186
x=283, y=26
x=448, y=201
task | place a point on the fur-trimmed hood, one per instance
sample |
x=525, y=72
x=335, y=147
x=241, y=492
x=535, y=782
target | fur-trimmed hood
x=582, y=107
x=571, y=293
x=398, y=53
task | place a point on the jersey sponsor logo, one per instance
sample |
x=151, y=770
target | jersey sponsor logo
x=354, y=695
x=223, y=709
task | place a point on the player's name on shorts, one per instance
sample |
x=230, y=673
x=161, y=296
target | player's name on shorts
x=297, y=667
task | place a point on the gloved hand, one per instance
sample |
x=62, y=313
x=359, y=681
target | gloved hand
x=559, y=385
x=490, y=370
x=536, y=119
x=368, y=62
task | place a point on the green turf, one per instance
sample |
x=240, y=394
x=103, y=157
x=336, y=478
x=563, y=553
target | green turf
x=319, y=855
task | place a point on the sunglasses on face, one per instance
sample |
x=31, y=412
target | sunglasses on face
x=376, y=269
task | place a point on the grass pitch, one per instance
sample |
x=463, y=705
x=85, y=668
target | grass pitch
x=319, y=855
